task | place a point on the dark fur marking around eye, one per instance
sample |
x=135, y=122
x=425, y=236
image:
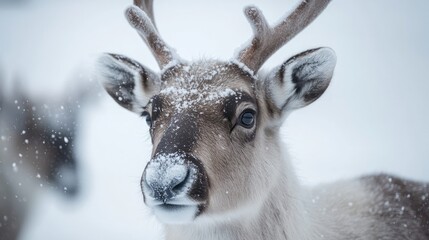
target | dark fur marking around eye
x=157, y=104
x=232, y=102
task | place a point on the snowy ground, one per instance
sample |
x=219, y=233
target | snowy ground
x=374, y=116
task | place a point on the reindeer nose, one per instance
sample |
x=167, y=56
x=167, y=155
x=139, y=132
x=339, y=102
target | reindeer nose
x=166, y=176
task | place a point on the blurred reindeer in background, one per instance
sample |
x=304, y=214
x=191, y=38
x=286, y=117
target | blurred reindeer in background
x=37, y=151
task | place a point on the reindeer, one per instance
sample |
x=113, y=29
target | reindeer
x=218, y=169
x=36, y=152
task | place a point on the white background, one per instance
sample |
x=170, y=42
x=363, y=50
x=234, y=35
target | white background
x=373, y=118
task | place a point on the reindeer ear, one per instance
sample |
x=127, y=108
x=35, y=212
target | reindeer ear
x=128, y=82
x=302, y=79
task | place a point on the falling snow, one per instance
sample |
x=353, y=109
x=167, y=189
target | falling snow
x=315, y=176
x=184, y=98
x=14, y=167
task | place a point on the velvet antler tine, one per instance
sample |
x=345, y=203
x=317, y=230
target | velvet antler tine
x=141, y=18
x=267, y=40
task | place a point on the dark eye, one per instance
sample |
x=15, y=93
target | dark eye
x=247, y=118
x=148, y=118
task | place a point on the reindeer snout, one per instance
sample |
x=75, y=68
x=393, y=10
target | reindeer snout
x=174, y=179
x=166, y=180
x=167, y=176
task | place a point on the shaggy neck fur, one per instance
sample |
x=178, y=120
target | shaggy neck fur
x=284, y=214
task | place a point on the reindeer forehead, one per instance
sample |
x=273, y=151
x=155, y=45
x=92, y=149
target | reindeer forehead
x=192, y=87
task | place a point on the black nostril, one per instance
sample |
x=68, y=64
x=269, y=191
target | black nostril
x=163, y=180
x=180, y=186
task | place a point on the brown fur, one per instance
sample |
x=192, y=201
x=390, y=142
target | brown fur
x=202, y=112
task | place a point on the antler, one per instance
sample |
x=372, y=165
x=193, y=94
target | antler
x=142, y=19
x=267, y=40
x=147, y=7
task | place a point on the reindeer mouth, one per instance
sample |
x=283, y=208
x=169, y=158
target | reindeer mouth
x=175, y=213
x=172, y=207
x=180, y=209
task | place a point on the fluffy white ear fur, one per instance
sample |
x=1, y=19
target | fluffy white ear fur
x=128, y=82
x=302, y=79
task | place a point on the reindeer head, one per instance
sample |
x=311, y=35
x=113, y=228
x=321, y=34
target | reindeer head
x=38, y=135
x=47, y=142
x=214, y=124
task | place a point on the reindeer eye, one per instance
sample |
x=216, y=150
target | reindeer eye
x=148, y=118
x=247, y=118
